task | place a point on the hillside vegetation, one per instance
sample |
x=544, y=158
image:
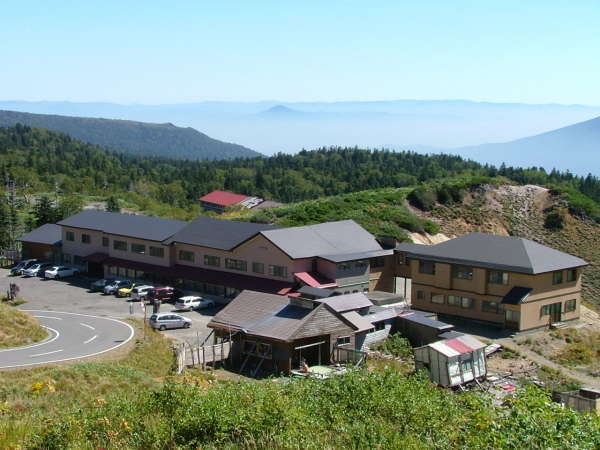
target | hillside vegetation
x=139, y=138
x=17, y=328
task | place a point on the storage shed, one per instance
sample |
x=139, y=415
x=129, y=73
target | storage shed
x=453, y=362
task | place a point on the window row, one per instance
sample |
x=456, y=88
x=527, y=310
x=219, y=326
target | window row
x=235, y=264
x=557, y=277
x=568, y=306
x=139, y=249
x=461, y=302
x=361, y=265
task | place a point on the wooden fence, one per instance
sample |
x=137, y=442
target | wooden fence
x=201, y=355
x=342, y=355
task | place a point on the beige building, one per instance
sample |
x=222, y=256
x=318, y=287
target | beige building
x=510, y=282
x=223, y=257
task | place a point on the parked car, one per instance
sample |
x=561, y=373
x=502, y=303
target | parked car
x=57, y=272
x=164, y=294
x=115, y=286
x=99, y=285
x=25, y=264
x=140, y=292
x=37, y=269
x=125, y=291
x=192, y=302
x=163, y=321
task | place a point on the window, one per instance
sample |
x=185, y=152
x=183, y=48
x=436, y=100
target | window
x=86, y=239
x=70, y=236
x=278, y=271
x=77, y=260
x=401, y=258
x=210, y=260
x=462, y=302
x=545, y=311
x=158, y=252
x=235, y=264
x=113, y=270
x=258, y=267
x=427, y=267
x=466, y=365
x=360, y=264
x=138, y=248
x=120, y=245
x=570, y=305
x=512, y=316
x=343, y=340
x=104, y=242
x=438, y=298
x=462, y=272
x=344, y=266
x=420, y=295
x=498, y=277
x=493, y=307
x=557, y=277
x=66, y=258
x=378, y=262
x=184, y=255
x=379, y=326
x=572, y=275
x=131, y=273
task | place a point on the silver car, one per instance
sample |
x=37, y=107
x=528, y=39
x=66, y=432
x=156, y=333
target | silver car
x=164, y=321
x=37, y=269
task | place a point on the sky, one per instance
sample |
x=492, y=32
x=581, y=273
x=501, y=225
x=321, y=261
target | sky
x=157, y=52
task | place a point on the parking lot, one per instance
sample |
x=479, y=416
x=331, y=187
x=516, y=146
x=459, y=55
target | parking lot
x=72, y=295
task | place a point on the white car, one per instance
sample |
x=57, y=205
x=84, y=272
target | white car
x=192, y=302
x=140, y=292
x=57, y=272
x=37, y=269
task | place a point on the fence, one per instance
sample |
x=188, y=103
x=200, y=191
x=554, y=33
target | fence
x=343, y=355
x=201, y=355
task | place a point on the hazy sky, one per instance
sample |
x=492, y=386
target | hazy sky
x=187, y=51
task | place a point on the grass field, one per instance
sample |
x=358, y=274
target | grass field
x=18, y=328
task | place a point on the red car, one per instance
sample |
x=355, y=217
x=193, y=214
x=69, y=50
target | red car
x=164, y=294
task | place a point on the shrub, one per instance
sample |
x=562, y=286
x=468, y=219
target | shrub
x=555, y=220
x=395, y=345
x=422, y=198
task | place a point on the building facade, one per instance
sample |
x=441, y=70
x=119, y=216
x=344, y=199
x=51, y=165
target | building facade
x=506, y=281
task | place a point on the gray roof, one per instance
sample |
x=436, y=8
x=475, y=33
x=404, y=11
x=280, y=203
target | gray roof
x=218, y=233
x=357, y=255
x=423, y=320
x=316, y=292
x=379, y=313
x=261, y=314
x=49, y=233
x=136, y=226
x=358, y=322
x=347, y=302
x=512, y=254
x=325, y=239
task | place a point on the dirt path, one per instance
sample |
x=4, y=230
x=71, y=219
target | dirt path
x=581, y=378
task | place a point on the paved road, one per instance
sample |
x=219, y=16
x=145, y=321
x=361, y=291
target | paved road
x=72, y=336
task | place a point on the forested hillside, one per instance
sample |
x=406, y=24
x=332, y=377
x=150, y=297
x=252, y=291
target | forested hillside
x=40, y=160
x=139, y=138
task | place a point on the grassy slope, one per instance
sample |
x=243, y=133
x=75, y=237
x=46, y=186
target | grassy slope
x=382, y=212
x=32, y=397
x=18, y=328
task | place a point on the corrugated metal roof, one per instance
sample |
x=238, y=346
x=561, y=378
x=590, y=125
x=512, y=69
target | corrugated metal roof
x=358, y=322
x=342, y=257
x=331, y=238
x=223, y=198
x=315, y=292
x=137, y=226
x=348, y=302
x=424, y=320
x=49, y=233
x=379, y=313
x=509, y=253
x=457, y=346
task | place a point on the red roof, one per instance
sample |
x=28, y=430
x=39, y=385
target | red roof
x=223, y=198
x=314, y=280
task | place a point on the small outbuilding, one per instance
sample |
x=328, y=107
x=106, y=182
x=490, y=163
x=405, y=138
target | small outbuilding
x=453, y=362
x=42, y=243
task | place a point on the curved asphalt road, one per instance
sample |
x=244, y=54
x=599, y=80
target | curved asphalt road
x=71, y=336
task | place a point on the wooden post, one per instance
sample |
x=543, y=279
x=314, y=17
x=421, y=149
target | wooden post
x=214, y=358
x=222, y=354
x=203, y=358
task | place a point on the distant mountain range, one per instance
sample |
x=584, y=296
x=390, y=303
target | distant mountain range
x=148, y=139
x=575, y=147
